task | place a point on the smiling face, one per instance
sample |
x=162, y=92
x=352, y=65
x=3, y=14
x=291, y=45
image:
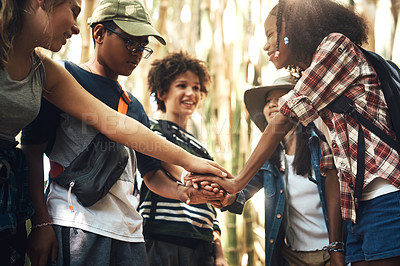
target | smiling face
x=112, y=53
x=62, y=24
x=271, y=103
x=285, y=55
x=182, y=98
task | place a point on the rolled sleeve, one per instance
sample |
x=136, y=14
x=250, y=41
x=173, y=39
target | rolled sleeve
x=298, y=106
x=326, y=161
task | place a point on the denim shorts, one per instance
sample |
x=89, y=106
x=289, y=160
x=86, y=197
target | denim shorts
x=376, y=233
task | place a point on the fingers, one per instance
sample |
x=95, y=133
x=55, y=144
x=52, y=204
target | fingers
x=201, y=177
x=216, y=204
x=207, y=166
x=194, y=196
x=222, y=171
x=42, y=246
x=220, y=203
x=207, y=185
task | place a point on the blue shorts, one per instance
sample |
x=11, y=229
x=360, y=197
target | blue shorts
x=376, y=235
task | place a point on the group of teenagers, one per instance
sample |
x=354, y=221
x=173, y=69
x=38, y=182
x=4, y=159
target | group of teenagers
x=305, y=160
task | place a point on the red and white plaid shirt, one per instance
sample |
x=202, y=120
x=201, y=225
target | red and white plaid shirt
x=338, y=67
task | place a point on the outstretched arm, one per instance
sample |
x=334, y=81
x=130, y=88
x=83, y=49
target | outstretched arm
x=65, y=92
x=273, y=134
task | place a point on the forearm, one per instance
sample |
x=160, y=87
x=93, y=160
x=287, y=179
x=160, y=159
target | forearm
x=333, y=206
x=34, y=155
x=219, y=252
x=272, y=135
x=174, y=170
x=335, y=218
x=161, y=184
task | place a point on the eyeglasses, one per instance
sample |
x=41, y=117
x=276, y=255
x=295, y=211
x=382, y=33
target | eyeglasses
x=134, y=46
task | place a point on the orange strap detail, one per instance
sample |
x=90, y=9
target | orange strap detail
x=124, y=100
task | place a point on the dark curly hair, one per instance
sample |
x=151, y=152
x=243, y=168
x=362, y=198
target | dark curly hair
x=308, y=22
x=164, y=71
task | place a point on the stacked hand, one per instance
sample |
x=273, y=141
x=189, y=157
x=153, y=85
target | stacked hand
x=213, y=184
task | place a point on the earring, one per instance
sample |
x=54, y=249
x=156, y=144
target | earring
x=286, y=40
x=276, y=55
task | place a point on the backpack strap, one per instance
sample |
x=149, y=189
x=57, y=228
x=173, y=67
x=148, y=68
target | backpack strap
x=176, y=135
x=389, y=76
x=343, y=105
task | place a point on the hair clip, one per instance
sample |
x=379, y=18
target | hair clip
x=276, y=55
x=286, y=40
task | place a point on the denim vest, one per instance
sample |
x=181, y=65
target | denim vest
x=270, y=178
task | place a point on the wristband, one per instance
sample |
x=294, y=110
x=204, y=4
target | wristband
x=335, y=250
x=41, y=225
x=335, y=247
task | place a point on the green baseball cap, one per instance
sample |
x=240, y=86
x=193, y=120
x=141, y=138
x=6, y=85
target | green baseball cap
x=129, y=15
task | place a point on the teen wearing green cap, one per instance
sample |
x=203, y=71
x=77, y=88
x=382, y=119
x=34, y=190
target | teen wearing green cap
x=109, y=232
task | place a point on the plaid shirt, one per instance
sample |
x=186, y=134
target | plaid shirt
x=337, y=67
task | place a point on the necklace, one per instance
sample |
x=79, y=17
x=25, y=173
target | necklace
x=85, y=66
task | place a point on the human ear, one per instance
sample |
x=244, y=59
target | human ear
x=98, y=33
x=161, y=96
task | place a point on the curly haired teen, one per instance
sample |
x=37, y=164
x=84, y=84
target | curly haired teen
x=188, y=235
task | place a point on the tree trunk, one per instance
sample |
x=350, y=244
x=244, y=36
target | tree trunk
x=85, y=29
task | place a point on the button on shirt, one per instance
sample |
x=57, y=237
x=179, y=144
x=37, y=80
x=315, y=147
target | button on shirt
x=338, y=67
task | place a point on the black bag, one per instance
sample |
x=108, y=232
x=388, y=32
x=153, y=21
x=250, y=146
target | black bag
x=95, y=170
x=389, y=76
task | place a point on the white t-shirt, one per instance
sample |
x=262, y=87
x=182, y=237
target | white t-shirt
x=306, y=230
x=113, y=216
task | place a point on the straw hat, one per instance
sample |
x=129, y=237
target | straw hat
x=254, y=99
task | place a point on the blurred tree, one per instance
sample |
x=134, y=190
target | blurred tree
x=88, y=8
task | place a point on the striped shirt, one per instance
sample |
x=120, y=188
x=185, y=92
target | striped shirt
x=338, y=67
x=169, y=217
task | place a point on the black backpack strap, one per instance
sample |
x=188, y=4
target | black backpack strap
x=166, y=130
x=177, y=136
x=389, y=76
x=343, y=105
